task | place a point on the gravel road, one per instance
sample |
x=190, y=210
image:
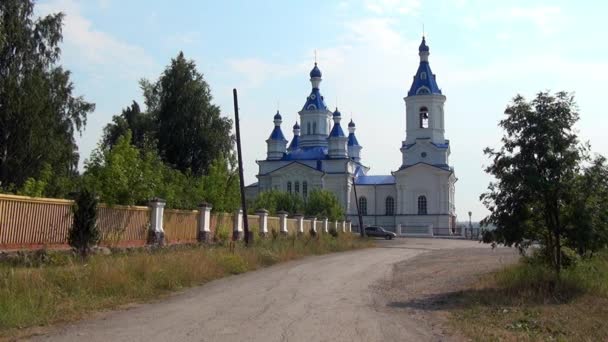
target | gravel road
x=387, y=293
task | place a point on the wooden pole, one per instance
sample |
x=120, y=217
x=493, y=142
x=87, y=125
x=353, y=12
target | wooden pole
x=240, y=158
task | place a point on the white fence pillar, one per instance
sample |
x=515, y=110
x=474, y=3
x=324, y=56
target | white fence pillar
x=300, y=224
x=283, y=222
x=263, y=217
x=237, y=230
x=343, y=226
x=204, y=222
x=313, y=224
x=325, y=225
x=157, y=234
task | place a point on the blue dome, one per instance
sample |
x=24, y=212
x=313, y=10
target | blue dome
x=423, y=46
x=296, y=126
x=315, y=72
x=351, y=123
x=337, y=112
x=277, y=116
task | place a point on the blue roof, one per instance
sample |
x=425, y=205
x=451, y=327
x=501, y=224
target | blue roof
x=336, y=131
x=351, y=123
x=295, y=142
x=444, y=145
x=315, y=72
x=277, y=134
x=375, y=180
x=352, y=140
x=307, y=153
x=423, y=46
x=337, y=112
x=277, y=116
x=315, y=101
x=424, y=82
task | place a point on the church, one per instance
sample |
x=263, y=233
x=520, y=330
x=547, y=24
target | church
x=415, y=199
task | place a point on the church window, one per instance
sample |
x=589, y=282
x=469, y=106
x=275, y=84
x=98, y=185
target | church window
x=363, y=205
x=424, y=117
x=304, y=188
x=423, y=75
x=314, y=128
x=421, y=205
x=297, y=187
x=390, y=206
x=423, y=91
x=289, y=187
x=308, y=128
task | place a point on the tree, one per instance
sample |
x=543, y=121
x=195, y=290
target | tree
x=322, y=203
x=39, y=115
x=141, y=125
x=191, y=132
x=84, y=233
x=275, y=201
x=534, y=171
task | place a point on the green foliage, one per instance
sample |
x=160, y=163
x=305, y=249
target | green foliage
x=84, y=233
x=38, y=112
x=141, y=125
x=323, y=203
x=535, y=172
x=275, y=201
x=36, y=187
x=180, y=101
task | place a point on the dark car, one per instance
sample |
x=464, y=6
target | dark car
x=374, y=231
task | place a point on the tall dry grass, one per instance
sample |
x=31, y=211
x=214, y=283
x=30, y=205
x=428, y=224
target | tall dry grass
x=66, y=288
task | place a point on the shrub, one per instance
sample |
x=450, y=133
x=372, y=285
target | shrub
x=84, y=233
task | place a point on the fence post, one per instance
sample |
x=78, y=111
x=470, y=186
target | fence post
x=156, y=235
x=237, y=229
x=325, y=225
x=283, y=222
x=263, y=217
x=300, y=225
x=313, y=224
x=350, y=226
x=204, y=222
x=343, y=226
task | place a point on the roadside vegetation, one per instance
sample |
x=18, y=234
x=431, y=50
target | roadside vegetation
x=52, y=287
x=529, y=302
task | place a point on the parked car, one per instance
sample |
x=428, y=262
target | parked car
x=374, y=231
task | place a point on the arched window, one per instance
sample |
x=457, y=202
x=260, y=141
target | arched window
x=421, y=205
x=308, y=128
x=297, y=187
x=389, y=203
x=363, y=205
x=424, y=117
x=423, y=75
x=289, y=187
x=314, y=128
x=304, y=188
x=423, y=91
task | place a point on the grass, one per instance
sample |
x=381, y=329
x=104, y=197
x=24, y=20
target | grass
x=527, y=302
x=63, y=288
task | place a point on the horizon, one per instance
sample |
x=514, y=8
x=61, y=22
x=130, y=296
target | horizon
x=483, y=55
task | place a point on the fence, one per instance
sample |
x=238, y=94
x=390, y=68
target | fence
x=28, y=223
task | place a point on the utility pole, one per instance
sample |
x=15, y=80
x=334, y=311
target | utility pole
x=240, y=158
x=361, y=230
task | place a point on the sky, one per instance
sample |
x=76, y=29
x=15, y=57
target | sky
x=483, y=53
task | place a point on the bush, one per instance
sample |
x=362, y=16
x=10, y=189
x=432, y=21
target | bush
x=84, y=233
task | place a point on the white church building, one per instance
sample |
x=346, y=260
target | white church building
x=417, y=198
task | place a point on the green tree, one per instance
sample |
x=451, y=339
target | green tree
x=275, y=201
x=191, y=132
x=141, y=125
x=84, y=233
x=534, y=171
x=39, y=115
x=124, y=175
x=221, y=186
x=322, y=203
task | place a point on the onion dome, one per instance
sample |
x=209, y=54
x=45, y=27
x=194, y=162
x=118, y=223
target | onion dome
x=315, y=72
x=352, y=139
x=277, y=116
x=337, y=112
x=423, y=47
x=351, y=124
x=295, y=142
x=296, y=126
x=277, y=134
x=424, y=82
x=336, y=131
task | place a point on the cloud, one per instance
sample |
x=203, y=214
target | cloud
x=387, y=7
x=95, y=50
x=547, y=19
x=256, y=71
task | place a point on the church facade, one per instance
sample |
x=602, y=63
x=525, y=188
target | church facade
x=415, y=199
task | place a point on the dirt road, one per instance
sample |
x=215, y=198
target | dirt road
x=377, y=294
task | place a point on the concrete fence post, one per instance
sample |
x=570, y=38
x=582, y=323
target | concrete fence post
x=313, y=224
x=336, y=227
x=300, y=224
x=283, y=222
x=204, y=222
x=156, y=236
x=325, y=225
x=343, y=226
x=350, y=226
x=237, y=230
x=263, y=217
